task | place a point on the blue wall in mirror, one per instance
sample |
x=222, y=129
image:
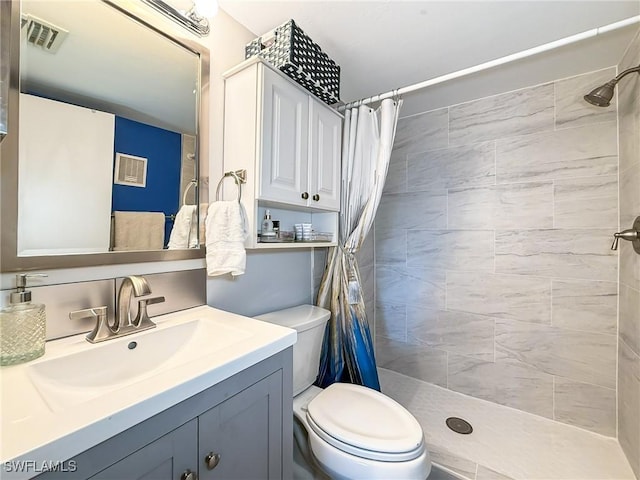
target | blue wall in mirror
x=163, y=151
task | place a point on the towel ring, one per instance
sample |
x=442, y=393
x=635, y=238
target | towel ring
x=239, y=177
x=192, y=183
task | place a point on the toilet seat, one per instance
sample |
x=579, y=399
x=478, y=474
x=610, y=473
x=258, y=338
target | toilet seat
x=365, y=423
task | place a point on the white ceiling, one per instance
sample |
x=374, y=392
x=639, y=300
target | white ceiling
x=383, y=45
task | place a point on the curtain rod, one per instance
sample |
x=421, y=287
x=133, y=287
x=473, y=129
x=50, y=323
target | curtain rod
x=499, y=61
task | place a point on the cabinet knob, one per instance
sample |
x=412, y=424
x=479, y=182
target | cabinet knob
x=189, y=475
x=212, y=460
x=305, y=195
x=316, y=197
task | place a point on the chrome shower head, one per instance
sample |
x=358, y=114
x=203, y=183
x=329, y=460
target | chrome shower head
x=601, y=96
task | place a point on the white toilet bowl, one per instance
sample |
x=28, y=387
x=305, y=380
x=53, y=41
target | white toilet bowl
x=353, y=432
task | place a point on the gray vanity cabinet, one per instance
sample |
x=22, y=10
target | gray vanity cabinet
x=166, y=458
x=240, y=428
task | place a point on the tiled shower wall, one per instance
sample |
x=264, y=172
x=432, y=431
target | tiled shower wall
x=629, y=332
x=493, y=270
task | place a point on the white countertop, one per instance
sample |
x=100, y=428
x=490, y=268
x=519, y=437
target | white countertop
x=36, y=429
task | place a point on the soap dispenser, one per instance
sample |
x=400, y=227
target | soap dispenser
x=267, y=231
x=22, y=325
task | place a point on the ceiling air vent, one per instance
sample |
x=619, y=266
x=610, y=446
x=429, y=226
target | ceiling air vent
x=42, y=34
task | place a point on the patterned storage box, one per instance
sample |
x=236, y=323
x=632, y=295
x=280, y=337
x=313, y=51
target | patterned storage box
x=288, y=48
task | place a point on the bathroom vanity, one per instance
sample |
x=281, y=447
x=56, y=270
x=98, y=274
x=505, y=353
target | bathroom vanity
x=211, y=398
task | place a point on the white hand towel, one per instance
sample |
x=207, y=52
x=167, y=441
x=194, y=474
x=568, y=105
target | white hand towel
x=183, y=233
x=226, y=231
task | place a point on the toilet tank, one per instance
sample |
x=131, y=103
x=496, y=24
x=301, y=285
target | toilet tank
x=309, y=321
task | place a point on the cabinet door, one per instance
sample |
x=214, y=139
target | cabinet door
x=245, y=433
x=285, y=126
x=325, y=139
x=167, y=458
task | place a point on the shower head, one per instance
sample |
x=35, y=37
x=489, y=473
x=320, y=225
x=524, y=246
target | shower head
x=601, y=96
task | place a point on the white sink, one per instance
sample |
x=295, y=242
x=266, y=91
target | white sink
x=80, y=394
x=78, y=377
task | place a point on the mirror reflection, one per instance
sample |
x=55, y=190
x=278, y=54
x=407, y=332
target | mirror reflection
x=107, y=133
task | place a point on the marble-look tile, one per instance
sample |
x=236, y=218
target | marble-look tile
x=485, y=473
x=391, y=284
x=630, y=317
x=319, y=265
x=590, y=202
x=451, y=249
x=396, y=181
x=518, y=205
x=441, y=473
x=524, y=205
x=629, y=405
x=506, y=382
x=629, y=195
x=514, y=297
x=509, y=441
x=391, y=322
x=366, y=254
x=391, y=245
x=454, y=332
x=452, y=167
x=425, y=287
x=629, y=265
x=452, y=462
x=417, y=361
x=586, y=406
x=573, y=152
x=582, y=254
x=423, y=132
x=471, y=208
x=515, y=113
x=413, y=210
x=585, y=305
x=367, y=283
x=629, y=121
x=581, y=356
x=572, y=110
x=629, y=108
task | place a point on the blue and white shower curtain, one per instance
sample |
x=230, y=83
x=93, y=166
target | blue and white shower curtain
x=347, y=351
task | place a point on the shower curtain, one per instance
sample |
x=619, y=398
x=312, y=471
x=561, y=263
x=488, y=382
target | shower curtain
x=347, y=351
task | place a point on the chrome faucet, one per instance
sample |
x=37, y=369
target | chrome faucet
x=135, y=286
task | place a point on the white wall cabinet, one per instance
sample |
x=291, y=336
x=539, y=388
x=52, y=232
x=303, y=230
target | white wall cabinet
x=289, y=142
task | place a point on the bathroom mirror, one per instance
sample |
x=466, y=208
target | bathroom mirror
x=105, y=114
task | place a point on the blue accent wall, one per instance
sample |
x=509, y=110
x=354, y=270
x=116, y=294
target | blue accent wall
x=163, y=151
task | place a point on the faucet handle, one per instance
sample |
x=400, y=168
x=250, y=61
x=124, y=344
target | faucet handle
x=142, y=320
x=101, y=331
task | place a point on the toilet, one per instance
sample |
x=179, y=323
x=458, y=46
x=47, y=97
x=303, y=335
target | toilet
x=351, y=431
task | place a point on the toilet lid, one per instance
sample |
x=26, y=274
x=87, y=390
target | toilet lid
x=364, y=418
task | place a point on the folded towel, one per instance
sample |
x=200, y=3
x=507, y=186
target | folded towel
x=184, y=230
x=138, y=230
x=226, y=231
x=201, y=232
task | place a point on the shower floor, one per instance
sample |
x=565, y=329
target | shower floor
x=506, y=443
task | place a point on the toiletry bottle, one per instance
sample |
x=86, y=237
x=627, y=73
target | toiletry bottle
x=22, y=325
x=267, y=227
